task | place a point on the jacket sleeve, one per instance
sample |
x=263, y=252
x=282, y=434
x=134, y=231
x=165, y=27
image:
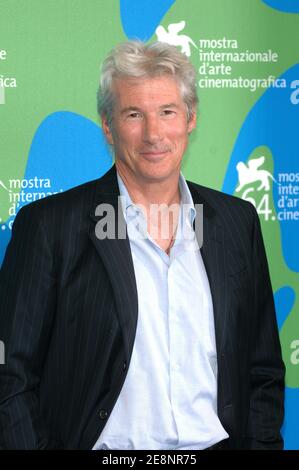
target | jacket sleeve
x=267, y=369
x=27, y=300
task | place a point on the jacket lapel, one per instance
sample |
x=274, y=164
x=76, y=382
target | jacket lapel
x=214, y=253
x=117, y=258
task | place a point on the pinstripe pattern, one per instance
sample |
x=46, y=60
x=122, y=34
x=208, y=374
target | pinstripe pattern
x=69, y=313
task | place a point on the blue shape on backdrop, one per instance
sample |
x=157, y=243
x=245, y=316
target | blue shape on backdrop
x=5, y=234
x=141, y=17
x=287, y=6
x=68, y=149
x=284, y=301
x=290, y=431
x=273, y=122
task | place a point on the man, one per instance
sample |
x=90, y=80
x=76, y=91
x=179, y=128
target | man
x=148, y=340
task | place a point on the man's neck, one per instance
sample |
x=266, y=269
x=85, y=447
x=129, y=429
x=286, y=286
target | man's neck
x=147, y=192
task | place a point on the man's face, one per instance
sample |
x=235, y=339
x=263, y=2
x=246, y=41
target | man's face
x=149, y=129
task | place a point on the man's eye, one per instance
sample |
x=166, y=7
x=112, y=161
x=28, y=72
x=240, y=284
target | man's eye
x=134, y=115
x=168, y=112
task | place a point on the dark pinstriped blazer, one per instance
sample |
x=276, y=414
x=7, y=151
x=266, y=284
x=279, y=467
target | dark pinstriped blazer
x=69, y=312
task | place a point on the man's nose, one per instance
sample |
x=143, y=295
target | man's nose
x=152, y=130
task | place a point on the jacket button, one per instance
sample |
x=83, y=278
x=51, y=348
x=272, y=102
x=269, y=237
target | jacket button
x=103, y=414
x=124, y=365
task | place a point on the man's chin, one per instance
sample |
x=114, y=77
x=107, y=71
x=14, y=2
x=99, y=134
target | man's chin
x=158, y=176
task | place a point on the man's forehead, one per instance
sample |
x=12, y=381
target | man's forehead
x=129, y=88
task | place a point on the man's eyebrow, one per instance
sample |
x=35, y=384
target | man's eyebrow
x=129, y=109
x=169, y=105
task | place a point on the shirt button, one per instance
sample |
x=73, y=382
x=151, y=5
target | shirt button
x=103, y=414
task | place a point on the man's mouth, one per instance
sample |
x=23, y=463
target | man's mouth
x=155, y=153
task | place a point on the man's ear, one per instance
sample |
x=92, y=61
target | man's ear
x=192, y=123
x=106, y=129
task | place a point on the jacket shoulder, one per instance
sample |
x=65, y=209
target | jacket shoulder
x=221, y=202
x=68, y=201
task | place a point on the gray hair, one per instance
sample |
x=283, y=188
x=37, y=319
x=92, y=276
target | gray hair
x=135, y=59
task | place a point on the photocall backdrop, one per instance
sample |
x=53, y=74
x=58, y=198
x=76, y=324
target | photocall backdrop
x=247, y=57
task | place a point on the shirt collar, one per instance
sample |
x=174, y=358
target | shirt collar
x=126, y=200
x=186, y=200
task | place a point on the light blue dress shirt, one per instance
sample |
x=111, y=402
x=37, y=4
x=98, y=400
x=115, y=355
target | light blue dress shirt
x=169, y=398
